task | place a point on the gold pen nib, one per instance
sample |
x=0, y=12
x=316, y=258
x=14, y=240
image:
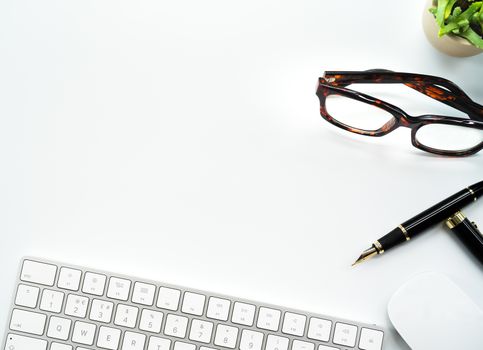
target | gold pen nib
x=366, y=255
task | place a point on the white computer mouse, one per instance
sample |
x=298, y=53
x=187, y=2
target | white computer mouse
x=431, y=312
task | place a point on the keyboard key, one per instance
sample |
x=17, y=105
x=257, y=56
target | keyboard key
x=157, y=343
x=218, y=309
x=108, y=338
x=27, y=322
x=59, y=346
x=325, y=347
x=143, y=293
x=243, y=314
x=302, y=345
x=226, y=336
x=69, y=279
x=94, y=284
x=27, y=296
x=101, y=311
x=251, y=340
x=126, y=316
x=59, y=328
x=176, y=326
x=76, y=306
x=133, y=341
x=84, y=333
x=268, y=319
x=168, y=298
x=20, y=342
x=183, y=346
x=118, y=288
x=370, y=339
x=193, y=303
x=201, y=331
x=52, y=301
x=345, y=334
x=319, y=329
x=37, y=272
x=274, y=342
x=151, y=321
x=294, y=324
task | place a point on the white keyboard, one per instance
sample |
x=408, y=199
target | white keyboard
x=64, y=307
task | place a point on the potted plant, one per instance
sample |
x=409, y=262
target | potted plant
x=455, y=27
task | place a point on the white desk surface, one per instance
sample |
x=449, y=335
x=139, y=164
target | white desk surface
x=182, y=142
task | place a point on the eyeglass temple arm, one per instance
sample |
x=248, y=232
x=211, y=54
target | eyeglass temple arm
x=426, y=80
x=430, y=86
x=464, y=104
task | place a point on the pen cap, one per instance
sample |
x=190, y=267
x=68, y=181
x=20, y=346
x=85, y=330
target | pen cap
x=467, y=233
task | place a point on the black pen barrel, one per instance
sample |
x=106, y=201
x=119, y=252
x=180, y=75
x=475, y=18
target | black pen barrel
x=443, y=210
x=436, y=214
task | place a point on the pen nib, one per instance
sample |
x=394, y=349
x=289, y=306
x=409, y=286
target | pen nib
x=366, y=255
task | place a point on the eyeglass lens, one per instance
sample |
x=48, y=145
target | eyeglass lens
x=357, y=114
x=447, y=137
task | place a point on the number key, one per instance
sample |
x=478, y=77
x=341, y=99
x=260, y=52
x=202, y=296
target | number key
x=226, y=336
x=151, y=321
x=274, y=342
x=251, y=340
x=201, y=331
x=51, y=301
x=126, y=316
x=76, y=306
x=176, y=326
x=101, y=311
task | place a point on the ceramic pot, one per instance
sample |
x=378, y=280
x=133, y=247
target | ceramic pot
x=449, y=44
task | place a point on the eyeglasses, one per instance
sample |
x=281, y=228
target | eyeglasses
x=366, y=115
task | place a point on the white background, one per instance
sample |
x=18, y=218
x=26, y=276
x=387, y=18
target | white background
x=182, y=142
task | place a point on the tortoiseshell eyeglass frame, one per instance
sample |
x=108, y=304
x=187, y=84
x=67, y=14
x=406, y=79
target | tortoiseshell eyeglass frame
x=440, y=89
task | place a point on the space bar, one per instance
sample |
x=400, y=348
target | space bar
x=20, y=342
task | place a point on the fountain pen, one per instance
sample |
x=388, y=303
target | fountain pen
x=410, y=228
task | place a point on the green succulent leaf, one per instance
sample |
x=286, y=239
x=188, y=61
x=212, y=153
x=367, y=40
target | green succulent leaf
x=473, y=37
x=480, y=17
x=440, y=11
x=448, y=8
